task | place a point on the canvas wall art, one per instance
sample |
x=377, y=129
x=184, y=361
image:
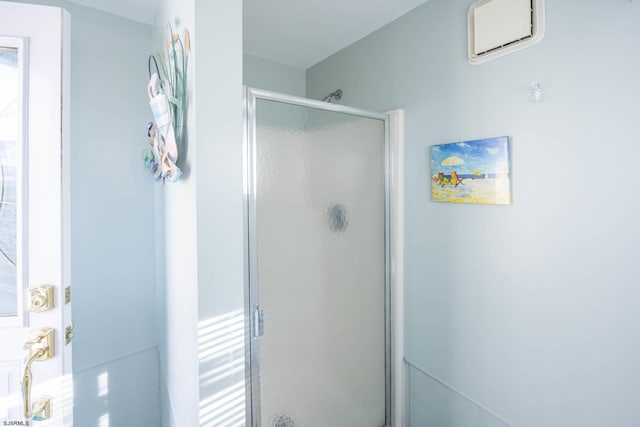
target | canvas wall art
x=472, y=172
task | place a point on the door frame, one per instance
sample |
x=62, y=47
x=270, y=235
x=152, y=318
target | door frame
x=47, y=118
x=394, y=376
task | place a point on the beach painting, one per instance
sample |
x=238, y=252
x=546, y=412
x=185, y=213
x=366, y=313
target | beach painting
x=471, y=172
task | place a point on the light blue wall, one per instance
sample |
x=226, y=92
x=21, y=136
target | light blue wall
x=111, y=213
x=262, y=73
x=522, y=314
x=112, y=236
x=112, y=193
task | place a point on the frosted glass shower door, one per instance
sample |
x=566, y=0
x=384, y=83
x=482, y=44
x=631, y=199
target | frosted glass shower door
x=320, y=278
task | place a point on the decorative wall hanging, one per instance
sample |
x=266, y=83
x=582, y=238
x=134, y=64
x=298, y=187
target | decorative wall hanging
x=471, y=172
x=167, y=90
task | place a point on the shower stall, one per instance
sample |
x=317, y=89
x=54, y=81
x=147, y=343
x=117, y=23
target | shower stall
x=318, y=294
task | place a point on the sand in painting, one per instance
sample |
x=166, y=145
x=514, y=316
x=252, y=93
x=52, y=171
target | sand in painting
x=478, y=190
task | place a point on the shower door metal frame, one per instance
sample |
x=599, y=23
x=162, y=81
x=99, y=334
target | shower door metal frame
x=252, y=344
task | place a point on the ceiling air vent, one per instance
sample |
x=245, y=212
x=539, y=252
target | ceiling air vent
x=500, y=27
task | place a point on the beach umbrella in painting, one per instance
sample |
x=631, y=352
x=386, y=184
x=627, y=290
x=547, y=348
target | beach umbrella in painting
x=451, y=162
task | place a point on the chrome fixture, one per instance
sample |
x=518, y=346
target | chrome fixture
x=336, y=94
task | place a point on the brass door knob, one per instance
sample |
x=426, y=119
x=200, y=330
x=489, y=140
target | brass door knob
x=40, y=347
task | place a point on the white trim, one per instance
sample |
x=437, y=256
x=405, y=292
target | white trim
x=119, y=358
x=396, y=141
x=67, y=368
x=459, y=393
x=312, y=103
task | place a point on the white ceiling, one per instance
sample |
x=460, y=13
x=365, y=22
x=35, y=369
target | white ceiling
x=299, y=33
x=138, y=10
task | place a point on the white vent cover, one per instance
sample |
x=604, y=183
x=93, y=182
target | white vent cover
x=500, y=27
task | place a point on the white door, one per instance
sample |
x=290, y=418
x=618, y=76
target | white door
x=34, y=215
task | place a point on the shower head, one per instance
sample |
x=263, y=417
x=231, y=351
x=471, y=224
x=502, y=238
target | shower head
x=336, y=94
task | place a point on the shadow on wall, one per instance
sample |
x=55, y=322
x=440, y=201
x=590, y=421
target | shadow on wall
x=222, y=381
x=121, y=393
x=124, y=392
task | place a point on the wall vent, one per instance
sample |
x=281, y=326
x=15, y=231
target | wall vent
x=500, y=27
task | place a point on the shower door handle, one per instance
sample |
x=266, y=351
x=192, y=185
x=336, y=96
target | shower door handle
x=258, y=321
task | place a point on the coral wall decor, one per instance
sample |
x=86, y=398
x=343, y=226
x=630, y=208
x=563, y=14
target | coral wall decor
x=167, y=90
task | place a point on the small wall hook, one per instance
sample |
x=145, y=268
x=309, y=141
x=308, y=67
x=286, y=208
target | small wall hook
x=537, y=91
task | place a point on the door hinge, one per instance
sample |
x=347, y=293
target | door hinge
x=258, y=322
x=68, y=334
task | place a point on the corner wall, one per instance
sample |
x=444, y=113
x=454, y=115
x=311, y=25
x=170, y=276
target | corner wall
x=112, y=240
x=200, y=260
x=517, y=315
x=176, y=250
x=262, y=73
x=220, y=212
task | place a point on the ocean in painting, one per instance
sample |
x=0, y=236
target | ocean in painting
x=471, y=172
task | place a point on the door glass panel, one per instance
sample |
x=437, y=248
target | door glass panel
x=9, y=134
x=320, y=214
